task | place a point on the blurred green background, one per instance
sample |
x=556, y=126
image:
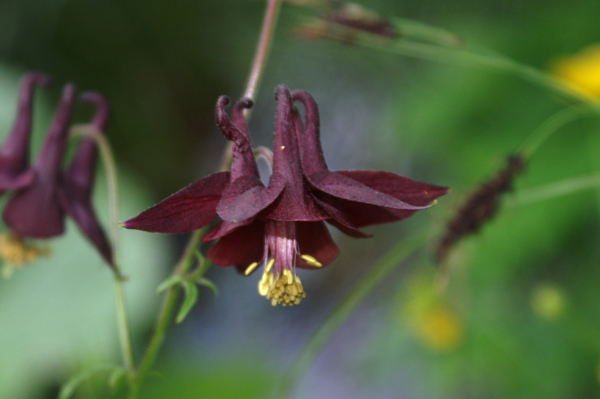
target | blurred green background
x=520, y=315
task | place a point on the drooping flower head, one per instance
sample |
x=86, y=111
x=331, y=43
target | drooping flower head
x=280, y=226
x=44, y=192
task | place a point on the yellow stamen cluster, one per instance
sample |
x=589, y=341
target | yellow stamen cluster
x=286, y=290
x=15, y=252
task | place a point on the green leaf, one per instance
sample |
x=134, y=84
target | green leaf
x=168, y=283
x=117, y=379
x=74, y=382
x=207, y=283
x=191, y=296
x=203, y=262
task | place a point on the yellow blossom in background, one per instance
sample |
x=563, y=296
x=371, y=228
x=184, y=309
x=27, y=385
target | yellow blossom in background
x=432, y=321
x=548, y=301
x=580, y=71
x=440, y=329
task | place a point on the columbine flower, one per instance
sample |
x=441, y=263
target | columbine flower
x=281, y=226
x=37, y=208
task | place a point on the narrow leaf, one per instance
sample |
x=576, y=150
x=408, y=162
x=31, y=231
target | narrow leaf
x=74, y=382
x=191, y=296
x=203, y=262
x=208, y=283
x=117, y=379
x=168, y=283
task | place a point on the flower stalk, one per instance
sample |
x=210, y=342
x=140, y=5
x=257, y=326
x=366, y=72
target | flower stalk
x=124, y=324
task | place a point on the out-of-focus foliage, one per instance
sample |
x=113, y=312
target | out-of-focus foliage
x=163, y=65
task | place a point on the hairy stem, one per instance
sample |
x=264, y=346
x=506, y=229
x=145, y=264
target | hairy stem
x=340, y=314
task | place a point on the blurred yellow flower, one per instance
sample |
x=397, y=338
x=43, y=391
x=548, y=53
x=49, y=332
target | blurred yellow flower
x=580, y=71
x=433, y=322
x=440, y=329
x=548, y=301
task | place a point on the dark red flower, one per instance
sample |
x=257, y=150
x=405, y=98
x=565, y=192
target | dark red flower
x=37, y=208
x=281, y=225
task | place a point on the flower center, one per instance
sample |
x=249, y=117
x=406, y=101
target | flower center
x=279, y=282
x=15, y=252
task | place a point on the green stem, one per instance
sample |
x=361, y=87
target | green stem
x=546, y=129
x=204, y=265
x=420, y=31
x=339, y=315
x=124, y=328
x=108, y=161
x=554, y=190
x=165, y=316
x=490, y=61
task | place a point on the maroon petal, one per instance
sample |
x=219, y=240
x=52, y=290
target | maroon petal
x=243, y=163
x=238, y=115
x=222, y=229
x=240, y=248
x=334, y=184
x=400, y=187
x=50, y=158
x=341, y=186
x=246, y=197
x=189, y=209
x=313, y=159
x=35, y=211
x=403, y=188
x=100, y=119
x=296, y=202
x=314, y=240
x=333, y=206
x=83, y=214
x=77, y=181
x=14, y=153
